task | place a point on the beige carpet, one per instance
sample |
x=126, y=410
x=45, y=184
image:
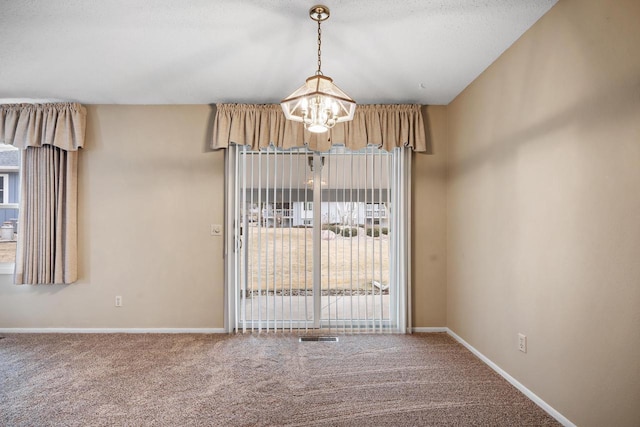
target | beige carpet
x=220, y=380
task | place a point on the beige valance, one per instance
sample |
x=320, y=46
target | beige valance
x=258, y=126
x=61, y=125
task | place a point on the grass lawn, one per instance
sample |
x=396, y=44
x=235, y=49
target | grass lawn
x=348, y=263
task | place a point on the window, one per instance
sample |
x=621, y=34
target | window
x=4, y=191
x=9, y=197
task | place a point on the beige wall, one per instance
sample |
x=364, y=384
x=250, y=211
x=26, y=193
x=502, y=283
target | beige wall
x=148, y=191
x=543, y=211
x=429, y=227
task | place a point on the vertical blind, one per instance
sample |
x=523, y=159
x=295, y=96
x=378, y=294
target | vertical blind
x=317, y=241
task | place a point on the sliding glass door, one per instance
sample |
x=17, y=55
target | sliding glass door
x=317, y=240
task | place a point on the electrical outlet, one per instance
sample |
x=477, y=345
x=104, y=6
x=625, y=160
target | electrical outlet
x=216, y=230
x=522, y=343
x=118, y=301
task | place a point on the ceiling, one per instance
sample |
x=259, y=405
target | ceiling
x=250, y=51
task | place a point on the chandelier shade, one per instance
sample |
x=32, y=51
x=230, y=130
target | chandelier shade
x=319, y=103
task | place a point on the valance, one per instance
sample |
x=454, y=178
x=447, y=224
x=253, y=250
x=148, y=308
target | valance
x=61, y=125
x=259, y=125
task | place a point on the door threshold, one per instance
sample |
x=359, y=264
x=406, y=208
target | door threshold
x=318, y=339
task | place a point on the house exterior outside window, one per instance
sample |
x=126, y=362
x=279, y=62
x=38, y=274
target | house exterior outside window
x=9, y=198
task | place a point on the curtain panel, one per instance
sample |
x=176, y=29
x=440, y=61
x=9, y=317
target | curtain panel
x=259, y=125
x=49, y=136
x=47, y=249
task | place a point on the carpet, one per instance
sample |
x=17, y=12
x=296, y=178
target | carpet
x=252, y=380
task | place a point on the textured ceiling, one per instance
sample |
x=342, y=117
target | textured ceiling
x=251, y=51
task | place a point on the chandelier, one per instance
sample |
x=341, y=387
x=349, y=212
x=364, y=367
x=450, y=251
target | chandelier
x=319, y=103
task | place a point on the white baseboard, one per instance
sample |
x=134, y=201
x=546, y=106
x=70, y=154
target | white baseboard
x=112, y=330
x=531, y=395
x=430, y=329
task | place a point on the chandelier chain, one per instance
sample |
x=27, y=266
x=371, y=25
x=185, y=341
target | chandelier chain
x=319, y=72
